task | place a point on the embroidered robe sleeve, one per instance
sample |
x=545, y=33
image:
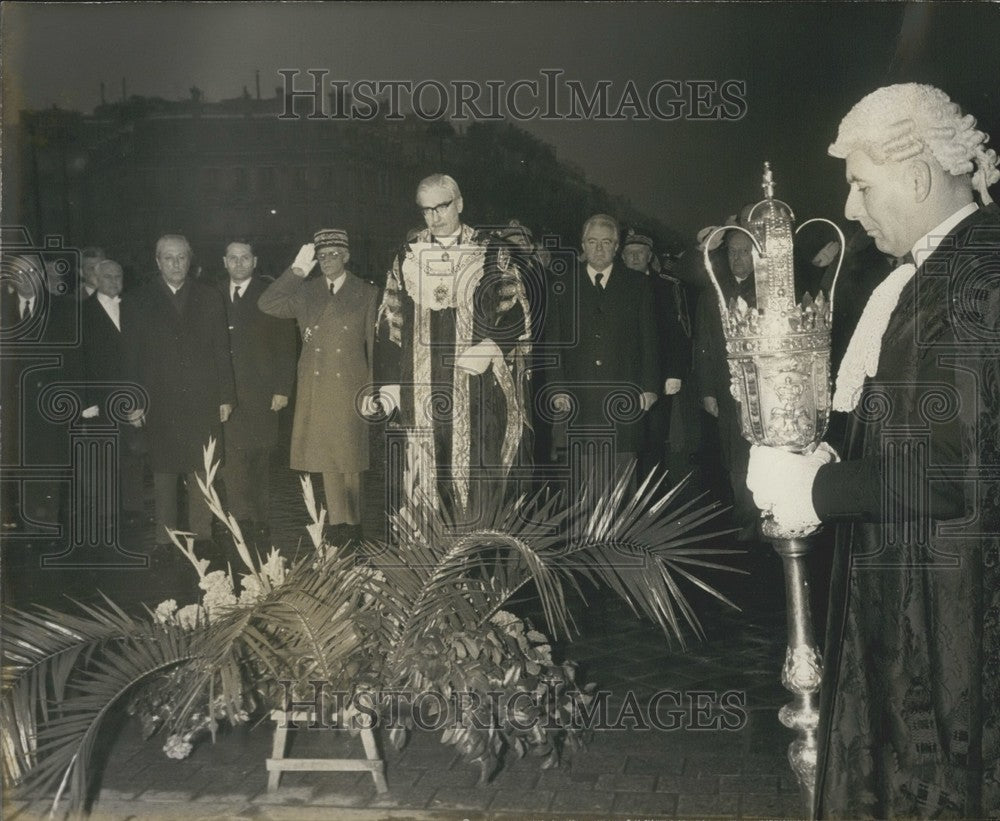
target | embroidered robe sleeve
x=388, y=327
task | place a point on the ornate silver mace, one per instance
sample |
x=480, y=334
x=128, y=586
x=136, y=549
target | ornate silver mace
x=779, y=361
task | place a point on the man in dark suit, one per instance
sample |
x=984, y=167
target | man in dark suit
x=602, y=329
x=263, y=357
x=40, y=348
x=104, y=372
x=177, y=348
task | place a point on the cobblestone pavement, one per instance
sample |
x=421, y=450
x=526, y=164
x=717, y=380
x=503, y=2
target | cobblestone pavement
x=699, y=768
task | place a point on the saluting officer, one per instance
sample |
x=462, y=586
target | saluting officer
x=336, y=318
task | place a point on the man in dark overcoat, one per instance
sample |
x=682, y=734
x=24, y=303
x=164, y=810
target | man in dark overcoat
x=263, y=356
x=910, y=712
x=674, y=349
x=104, y=372
x=336, y=318
x=40, y=348
x=177, y=348
x=601, y=327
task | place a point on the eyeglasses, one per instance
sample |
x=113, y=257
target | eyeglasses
x=322, y=255
x=437, y=210
x=603, y=244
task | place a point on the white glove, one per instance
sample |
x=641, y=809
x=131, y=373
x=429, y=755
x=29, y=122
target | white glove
x=90, y=413
x=671, y=386
x=781, y=483
x=305, y=261
x=479, y=357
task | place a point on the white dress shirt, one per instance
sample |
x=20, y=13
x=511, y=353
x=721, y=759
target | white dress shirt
x=112, y=307
x=338, y=282
x=593, y=272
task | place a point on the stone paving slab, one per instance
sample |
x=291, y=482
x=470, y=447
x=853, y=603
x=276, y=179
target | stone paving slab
x=704, y=806
x=590, y=801
x=645, y=804
x=530, y=801
x=462, y=798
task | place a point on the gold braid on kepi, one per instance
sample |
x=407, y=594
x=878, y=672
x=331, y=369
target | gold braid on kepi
x=898, y=122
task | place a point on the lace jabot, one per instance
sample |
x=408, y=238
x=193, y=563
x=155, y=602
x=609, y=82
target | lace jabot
x=861, y=358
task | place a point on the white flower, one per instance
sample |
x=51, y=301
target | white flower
x=504, y=618
x=191, y=616
x=251, y=590
x=216, y=582
x=274, y=568
x=165, y=611
x=177, y=747
x=219, y=595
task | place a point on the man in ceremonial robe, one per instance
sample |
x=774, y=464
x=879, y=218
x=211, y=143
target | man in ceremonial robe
x=453, y=337
x=910, y=713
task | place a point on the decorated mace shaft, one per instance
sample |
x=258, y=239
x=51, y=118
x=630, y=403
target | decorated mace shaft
x=803, y=668
x=778, y=353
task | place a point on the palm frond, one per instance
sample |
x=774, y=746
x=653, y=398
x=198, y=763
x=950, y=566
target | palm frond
x=442, y=572
x=424, y=611
x=53, y=747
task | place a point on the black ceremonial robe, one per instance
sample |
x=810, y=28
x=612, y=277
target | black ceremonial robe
x=910, y=715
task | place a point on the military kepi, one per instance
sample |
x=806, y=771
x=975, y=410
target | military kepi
x=636, y=238
x=330, y=238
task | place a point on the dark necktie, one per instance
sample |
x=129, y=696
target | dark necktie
x=236, y=295
x=597, y=281
x=332, y=291
x=26, y=309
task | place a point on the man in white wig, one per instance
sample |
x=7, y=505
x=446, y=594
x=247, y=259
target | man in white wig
x=910, y=714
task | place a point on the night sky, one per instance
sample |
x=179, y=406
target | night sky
x=803, y=65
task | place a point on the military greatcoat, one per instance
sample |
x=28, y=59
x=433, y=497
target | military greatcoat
x=329, y=434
